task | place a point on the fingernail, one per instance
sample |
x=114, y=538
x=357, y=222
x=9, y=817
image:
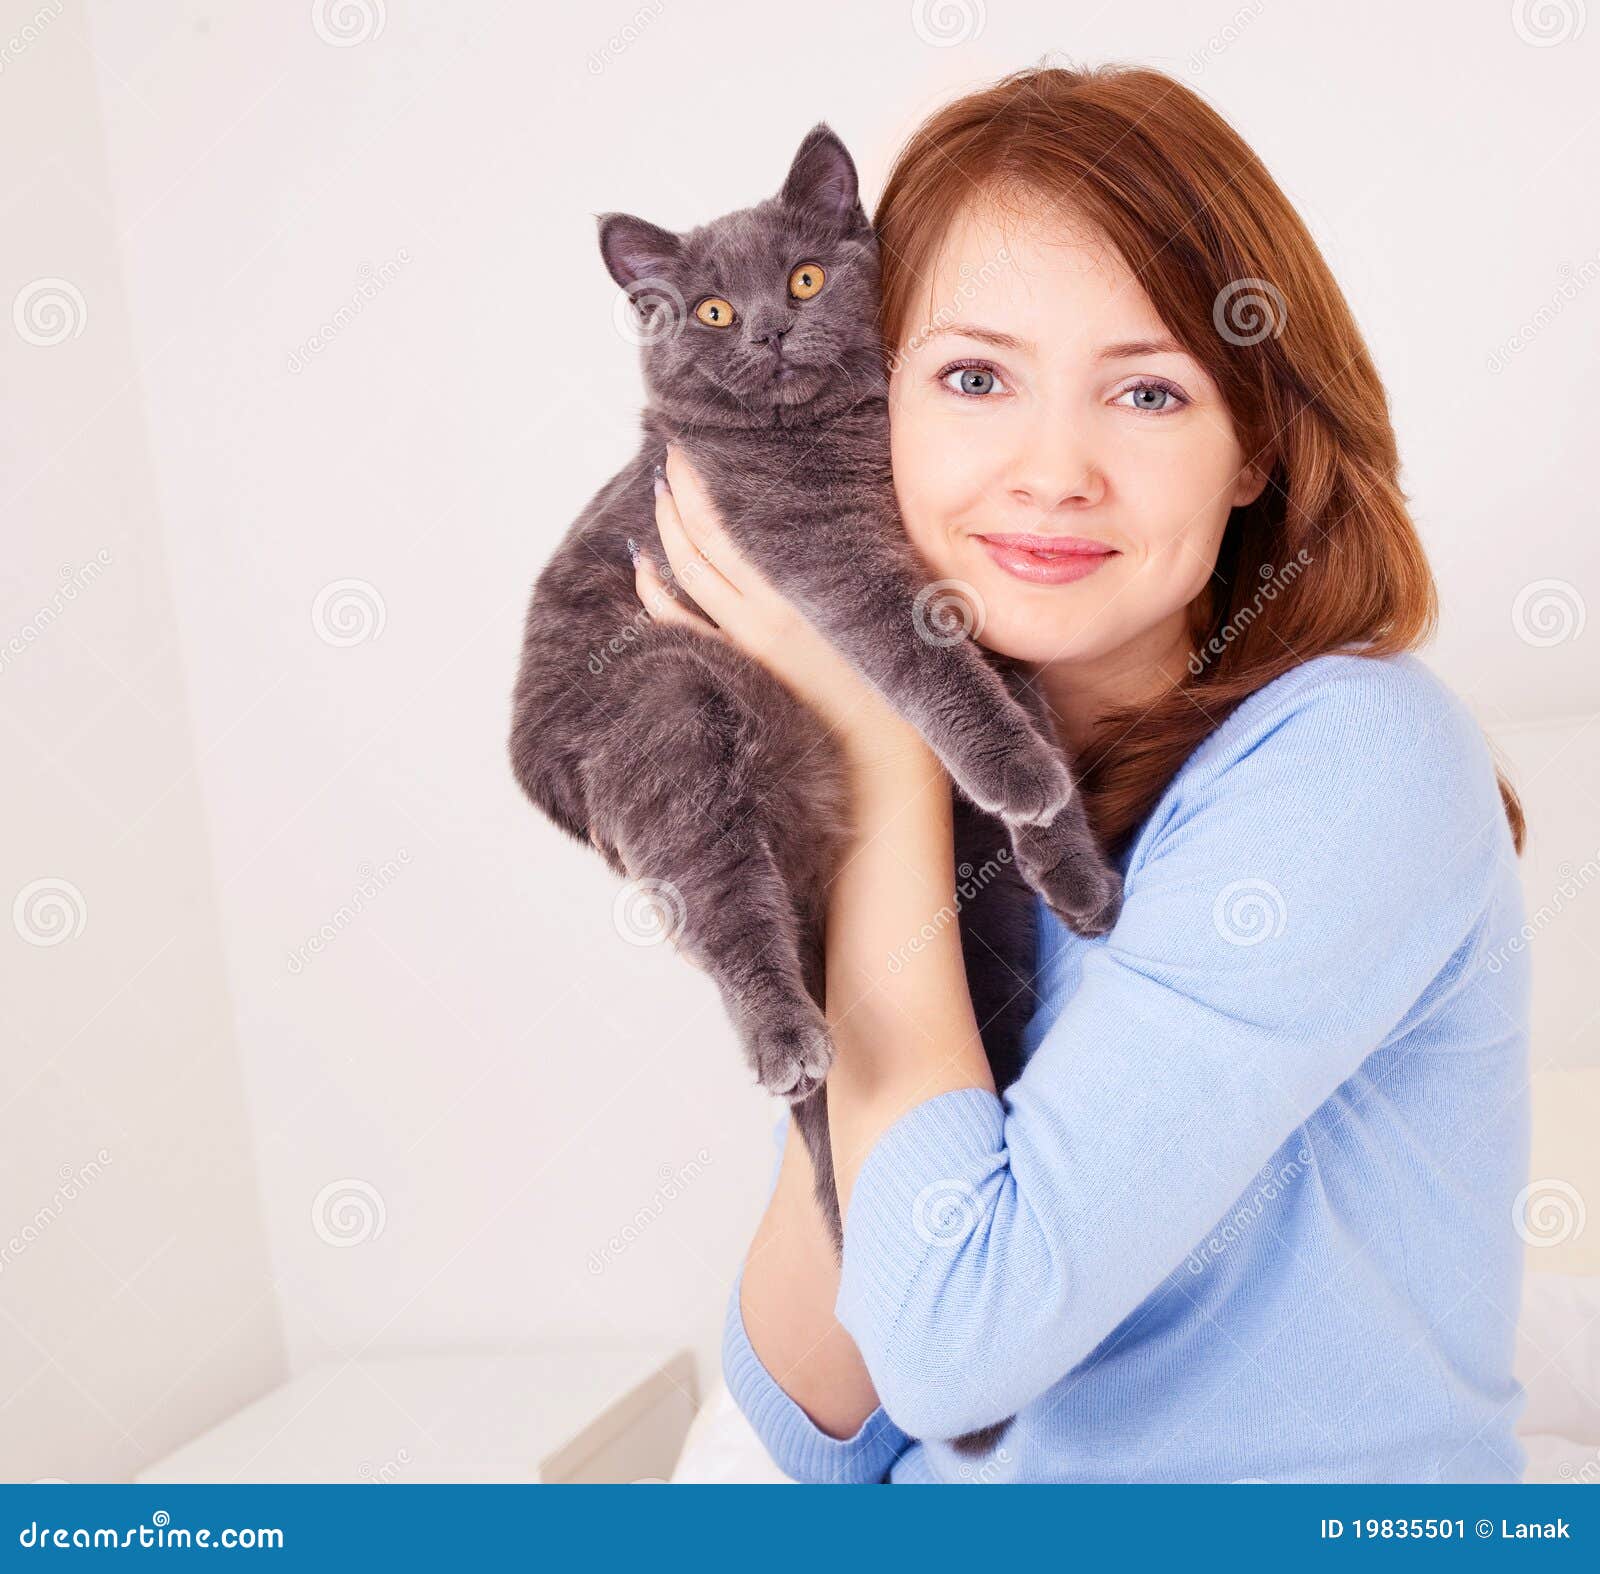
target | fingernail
x=633, y=552
x=661, y=483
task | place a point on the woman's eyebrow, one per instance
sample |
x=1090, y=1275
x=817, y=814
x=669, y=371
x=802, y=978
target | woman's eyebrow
x=1130, y=349
x=1123, y=350
x=1001, y=341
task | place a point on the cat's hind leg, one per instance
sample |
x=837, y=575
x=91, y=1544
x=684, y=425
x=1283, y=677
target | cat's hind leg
x=702, y=785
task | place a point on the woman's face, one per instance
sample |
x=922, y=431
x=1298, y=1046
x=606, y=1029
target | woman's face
x=1038, y=404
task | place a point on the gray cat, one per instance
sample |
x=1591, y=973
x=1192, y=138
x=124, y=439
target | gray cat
x=694, y=769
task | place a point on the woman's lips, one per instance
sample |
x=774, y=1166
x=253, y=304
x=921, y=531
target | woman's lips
x=1046, y=560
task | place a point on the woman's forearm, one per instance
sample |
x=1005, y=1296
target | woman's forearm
x=902, y=1034
x=786, y=1297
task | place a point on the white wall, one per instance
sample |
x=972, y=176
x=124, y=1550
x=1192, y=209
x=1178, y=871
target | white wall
x=503, y=1080
x=136, y=1303
x=1556, y=767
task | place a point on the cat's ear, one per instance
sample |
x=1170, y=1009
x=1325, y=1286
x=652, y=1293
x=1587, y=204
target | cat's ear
x=635, y=251
x=823, y=178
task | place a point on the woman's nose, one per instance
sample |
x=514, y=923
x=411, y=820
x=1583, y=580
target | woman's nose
x=1056, y=470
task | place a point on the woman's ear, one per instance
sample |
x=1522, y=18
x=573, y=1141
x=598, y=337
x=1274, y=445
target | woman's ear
x=1251, y=484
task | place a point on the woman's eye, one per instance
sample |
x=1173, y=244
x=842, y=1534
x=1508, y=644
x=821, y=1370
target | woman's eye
x=1157, y=398
x=974, y=381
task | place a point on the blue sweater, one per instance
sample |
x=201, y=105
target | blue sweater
x=1248, y=1211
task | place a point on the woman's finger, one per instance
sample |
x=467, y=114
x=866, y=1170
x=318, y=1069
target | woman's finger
x=661, y=601
x=600, y=847
x=707, y=530
x=692, y=570
x=699, y=518
x=699, y=514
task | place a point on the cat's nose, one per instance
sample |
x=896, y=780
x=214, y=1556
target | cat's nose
x=770, y=335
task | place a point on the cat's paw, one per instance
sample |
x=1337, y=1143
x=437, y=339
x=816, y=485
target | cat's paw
x=1086, y=897
x=792, y=1057
x=1038, y=786
x=1028, y=785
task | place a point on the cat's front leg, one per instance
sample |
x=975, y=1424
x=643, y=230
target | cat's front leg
x=879, y=618
x=1062, y=861
x=993, y=753
x=1062, y=858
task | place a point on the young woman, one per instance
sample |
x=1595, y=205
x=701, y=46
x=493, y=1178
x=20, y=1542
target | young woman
x=1248, y=1211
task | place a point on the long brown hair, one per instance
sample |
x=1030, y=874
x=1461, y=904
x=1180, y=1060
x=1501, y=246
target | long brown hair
x=1327, y=557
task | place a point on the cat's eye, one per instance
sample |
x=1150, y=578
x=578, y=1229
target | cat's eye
x=805, y=281
x=715, y=312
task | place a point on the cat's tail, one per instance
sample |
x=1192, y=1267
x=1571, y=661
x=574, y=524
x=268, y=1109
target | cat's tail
x=983, y=1440
x=811, y=1117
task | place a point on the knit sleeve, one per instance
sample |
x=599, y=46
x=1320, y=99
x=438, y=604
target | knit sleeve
x=1306, y=898
x=798, y=1446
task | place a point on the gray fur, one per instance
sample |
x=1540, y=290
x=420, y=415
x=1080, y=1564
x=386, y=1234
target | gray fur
x=688, y=761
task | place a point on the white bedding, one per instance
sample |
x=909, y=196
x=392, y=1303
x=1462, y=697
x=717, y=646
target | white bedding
x=723, y=1447
x=1558, y=1361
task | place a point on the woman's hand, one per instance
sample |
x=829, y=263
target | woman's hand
x=746, y=610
